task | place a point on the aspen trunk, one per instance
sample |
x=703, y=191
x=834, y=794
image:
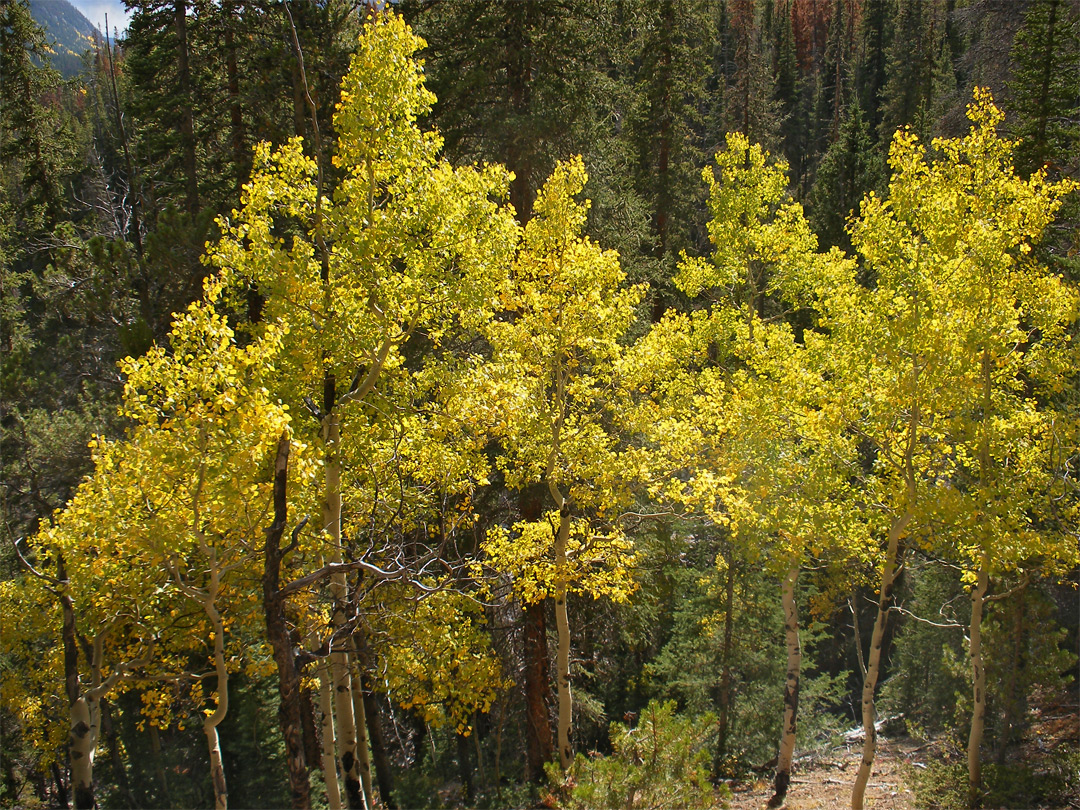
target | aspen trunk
x=278, y=635
x=873, y=666
x=562, y=661
x=81, y=752
x=978, y=681
x=345, y=718
x=791, y=688
x=363, y=753
x=211, y=723
x=329, y=743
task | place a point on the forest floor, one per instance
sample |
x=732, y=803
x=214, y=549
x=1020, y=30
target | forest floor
x=823, y=781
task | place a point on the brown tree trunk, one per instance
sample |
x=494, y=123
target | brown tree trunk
x=278, y=635
x=108, y=729
x=978, y=683
x=539, y=742
x=383, y=772
x=791, y=689
x=187, y=112
x=232, y=76
x=562, y=620
x=725, y=668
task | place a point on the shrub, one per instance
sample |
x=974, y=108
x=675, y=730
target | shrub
x=663, y=762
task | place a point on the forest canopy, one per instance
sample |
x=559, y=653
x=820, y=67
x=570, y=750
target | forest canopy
x=426, y=405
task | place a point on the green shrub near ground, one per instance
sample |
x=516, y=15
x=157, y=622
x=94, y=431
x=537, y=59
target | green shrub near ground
x=662, y=762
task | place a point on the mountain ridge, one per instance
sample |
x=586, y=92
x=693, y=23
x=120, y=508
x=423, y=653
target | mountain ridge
x=69, y=31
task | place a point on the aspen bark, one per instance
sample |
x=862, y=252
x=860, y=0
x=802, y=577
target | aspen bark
x=978, y=681
x=562, y=661
x=329, y=742
x=363, y=753
x=873, y=666
x=211, y=723
x=81, y=753
x=791, y=688
x=347, y=751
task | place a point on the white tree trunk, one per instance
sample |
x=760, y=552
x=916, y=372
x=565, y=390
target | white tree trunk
x=873, y=666
x=211, y=723
x=791, y=688
x=329, y=762
x=363, y=750
x=339, y=658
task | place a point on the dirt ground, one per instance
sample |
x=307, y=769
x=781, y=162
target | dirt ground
x=824, y=782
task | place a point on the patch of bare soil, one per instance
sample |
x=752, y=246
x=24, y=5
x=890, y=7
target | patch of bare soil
x=823, y=781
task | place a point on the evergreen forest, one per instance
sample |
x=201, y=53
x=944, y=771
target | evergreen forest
x=541, y=403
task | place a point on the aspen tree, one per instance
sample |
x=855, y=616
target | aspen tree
x=553, y=372
x=1008, y=328
x=405, y=248
x=773, y=472
x=933, y=365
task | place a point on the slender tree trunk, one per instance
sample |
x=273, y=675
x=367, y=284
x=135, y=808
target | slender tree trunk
x=791, y=688
x=159, y=765
x=383, y=772
x=347, y=749
x=873, y=667
x=562, y=661
x=725, y=667
x=80, y=746
x=978, y=681
x=236, y=114
x=363, y=751
x=211, y=723
x=278, y=634
x=538, y=740
x=329, y=740
x=187, y=113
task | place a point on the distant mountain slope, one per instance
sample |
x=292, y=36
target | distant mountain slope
x=72, y=33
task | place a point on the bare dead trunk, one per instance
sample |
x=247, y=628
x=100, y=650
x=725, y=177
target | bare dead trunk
x=978, y=682
x=791, y=688
x=278, y=635
x=873, y=666
x=187, y=112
